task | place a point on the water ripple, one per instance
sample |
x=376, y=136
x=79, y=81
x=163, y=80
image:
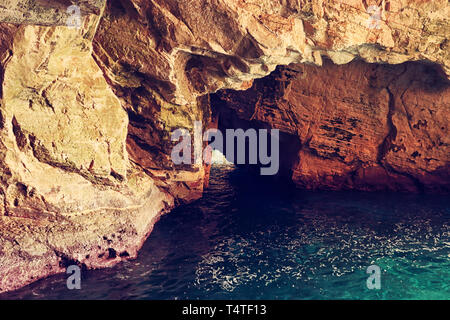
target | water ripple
x=247, y=239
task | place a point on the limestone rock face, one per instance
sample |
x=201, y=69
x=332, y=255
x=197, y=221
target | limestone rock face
x=69, y=193
x=76, y=187
x=60, y=105
x=357, y=126
x=86, y=111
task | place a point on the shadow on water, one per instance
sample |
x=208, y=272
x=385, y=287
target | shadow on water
x=252, y=238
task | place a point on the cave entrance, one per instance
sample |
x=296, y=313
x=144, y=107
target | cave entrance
x=252, y=145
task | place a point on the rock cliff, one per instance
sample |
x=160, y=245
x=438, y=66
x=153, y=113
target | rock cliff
x=90, y=94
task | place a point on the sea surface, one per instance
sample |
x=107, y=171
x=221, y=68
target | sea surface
x=252, y=238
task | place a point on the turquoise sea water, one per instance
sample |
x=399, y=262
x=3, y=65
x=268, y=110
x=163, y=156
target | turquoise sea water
x=248, y=238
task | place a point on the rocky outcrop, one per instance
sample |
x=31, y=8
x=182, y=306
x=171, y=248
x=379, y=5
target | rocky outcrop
x=357, y=126
x=70, y=193
x=46, y=12
x=87, y=105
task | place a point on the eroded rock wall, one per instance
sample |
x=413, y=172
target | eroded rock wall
x=356, y=126
x=70, y=193
x=185, y=49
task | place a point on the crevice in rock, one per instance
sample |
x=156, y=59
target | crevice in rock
x=386, y=146
x=2, y=118
x=21, y=138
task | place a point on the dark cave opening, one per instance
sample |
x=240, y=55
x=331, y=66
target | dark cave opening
x=351, y=121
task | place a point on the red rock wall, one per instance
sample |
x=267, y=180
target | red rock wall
x=358, y=126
